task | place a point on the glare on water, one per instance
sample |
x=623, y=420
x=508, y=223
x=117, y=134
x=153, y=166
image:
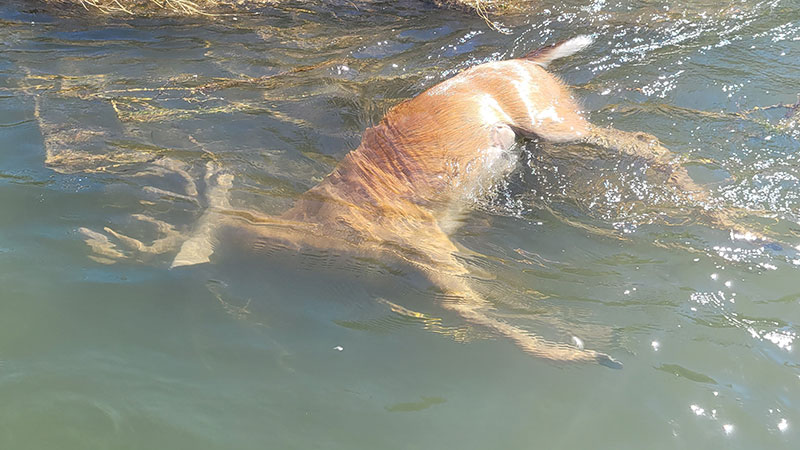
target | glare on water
x=116, y=133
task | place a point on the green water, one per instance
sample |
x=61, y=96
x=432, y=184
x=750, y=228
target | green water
x=101, y=121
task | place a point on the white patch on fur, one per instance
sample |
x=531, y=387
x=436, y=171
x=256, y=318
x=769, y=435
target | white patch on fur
x=522, y=91
x=491, y=112
x=525, y=88
x=549, y=113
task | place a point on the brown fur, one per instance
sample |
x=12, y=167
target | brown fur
x=397, y=194
x=392, y=195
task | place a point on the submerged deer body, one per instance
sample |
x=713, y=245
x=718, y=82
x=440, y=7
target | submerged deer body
x=400, y=193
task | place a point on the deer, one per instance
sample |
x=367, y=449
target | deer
x=401, y=194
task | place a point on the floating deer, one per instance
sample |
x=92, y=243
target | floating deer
x=400, y=194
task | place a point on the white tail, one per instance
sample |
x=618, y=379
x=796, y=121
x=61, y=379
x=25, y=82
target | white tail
x=545, y=55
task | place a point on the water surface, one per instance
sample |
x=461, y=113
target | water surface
x=114, y=123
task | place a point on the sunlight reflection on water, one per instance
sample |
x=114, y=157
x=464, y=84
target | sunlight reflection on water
x=112, y=122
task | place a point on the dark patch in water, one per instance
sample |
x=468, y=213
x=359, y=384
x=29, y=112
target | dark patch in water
x=686, y=373
x=425, y=403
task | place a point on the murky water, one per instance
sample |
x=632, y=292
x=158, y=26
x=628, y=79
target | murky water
x=113, y=127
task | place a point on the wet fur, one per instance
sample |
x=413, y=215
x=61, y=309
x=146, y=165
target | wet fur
x=397, y=196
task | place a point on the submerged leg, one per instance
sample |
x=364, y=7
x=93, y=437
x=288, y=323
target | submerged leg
x=574, y=128
x=111, y=245
x=169, y=241
x=647, y=147
x=200, y=245
x=462, y=299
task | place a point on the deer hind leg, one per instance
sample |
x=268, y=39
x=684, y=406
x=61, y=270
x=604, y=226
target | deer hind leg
x=563, y=124
x=569, y=126
x=647, y=147
x=450, y=277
